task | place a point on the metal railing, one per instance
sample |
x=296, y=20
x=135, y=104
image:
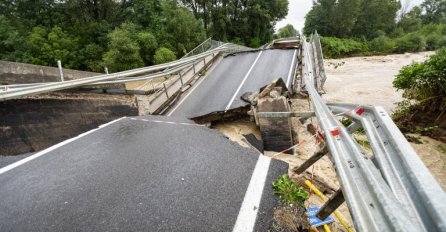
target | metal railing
x=383, y=193
x=318, y=58
x=140, y=74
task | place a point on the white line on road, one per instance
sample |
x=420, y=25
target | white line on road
x=38, y=154
x=247, y=215
x=291, y=70
x=243, y=81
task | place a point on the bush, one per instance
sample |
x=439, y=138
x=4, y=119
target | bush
x=410, y=43
x=425, y=82
x=164, y=55
x=382, y=44
x=335, y=47
x=289, y=192
x=435, y=41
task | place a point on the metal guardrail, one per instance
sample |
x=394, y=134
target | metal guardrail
x=120, y=77
x=319, y=60
x=410, y=181
x=207, y=45
x=373, y=203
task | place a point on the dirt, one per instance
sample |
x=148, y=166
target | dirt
x=236, y=129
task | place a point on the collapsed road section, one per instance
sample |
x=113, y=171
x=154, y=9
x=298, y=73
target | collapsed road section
x=235, y=75
x=140, y=174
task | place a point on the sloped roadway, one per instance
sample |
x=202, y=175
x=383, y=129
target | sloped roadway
x=222, y=88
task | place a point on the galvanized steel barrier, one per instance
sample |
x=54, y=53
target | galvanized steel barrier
x=139, y=74
x=390, y=191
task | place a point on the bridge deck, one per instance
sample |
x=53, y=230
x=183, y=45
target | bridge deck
x=138, y=174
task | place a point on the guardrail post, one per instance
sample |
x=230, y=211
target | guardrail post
x=165, y=90
x=204, y=61
x=106, y=70
x=181, y=79
x=317, y=155
x=194, y=67
x=59, y=65
x=331, y=205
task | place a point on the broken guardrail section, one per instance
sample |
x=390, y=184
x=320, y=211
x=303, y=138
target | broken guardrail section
x=390, y=191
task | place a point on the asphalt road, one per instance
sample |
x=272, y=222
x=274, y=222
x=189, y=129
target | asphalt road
x=235, y=75
x=140, y=174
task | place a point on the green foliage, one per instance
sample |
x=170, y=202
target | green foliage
x=87, y=34
x=382, y=44
x=241, y=21
x=425, y=82
x=255, y=42
x=346, y=122
x=335, y=47
x=148, y=45
x=410, y=43
x=46, y=47
x=123, y=50
x=411, y=21
x=180, y=31
x=368, y=27
x=289, y=192
x=435, y=11
x=351, y=18
x=286, y=31
x=164, y=55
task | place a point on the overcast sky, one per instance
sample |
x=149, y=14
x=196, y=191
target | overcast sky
x=299, y=8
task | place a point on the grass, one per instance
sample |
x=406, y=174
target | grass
x=289, y=193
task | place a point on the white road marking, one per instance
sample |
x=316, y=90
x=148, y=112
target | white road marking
x=38, y=154
x=243, y=81
x=247, y=215
x=185, y=97
x=291, y=70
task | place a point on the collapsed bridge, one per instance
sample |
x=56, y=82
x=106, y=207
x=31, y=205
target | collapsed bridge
x=389, y=191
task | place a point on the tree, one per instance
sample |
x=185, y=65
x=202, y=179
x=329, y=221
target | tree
x=351, y=18
x=411, y=21
x=46, y=47
x=179, y=30
x=123, y=53
x=332, y=18
x=287, y=31
x=434, y=11
x=239, y=21
x=375, y=16
x=148, y=45
x=164, y=55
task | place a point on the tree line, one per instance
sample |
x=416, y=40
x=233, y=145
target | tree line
x=125, y=34
x=383, y=26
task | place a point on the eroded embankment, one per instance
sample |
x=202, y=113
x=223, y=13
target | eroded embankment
x=32, y=124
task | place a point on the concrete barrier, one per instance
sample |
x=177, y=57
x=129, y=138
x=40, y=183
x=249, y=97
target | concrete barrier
x=20, y=73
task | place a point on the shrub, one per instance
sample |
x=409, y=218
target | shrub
x=335, y=47
x=289, y=192
x=382, y=44
x=425, y=82
x=435, y=41
x=410, y=43
x=164, y=55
